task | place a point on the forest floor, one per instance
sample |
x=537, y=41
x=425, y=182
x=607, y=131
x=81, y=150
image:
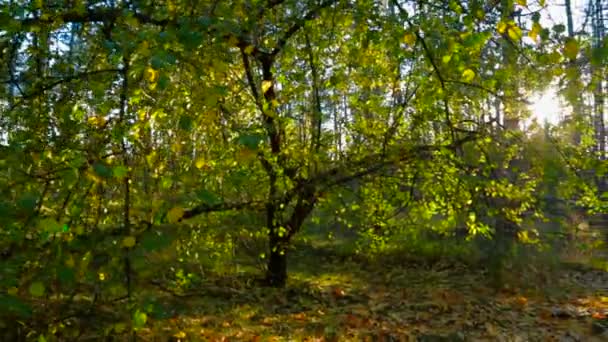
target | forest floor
x=332, y=298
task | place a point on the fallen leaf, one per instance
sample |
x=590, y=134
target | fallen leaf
x=491, y=329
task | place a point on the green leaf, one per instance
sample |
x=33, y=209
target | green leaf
x=571, y=48
x=154, y=240
x=27, y=202
x=66, y=275
x=208, y=197
x=251, y=140
x=129, y=242
x=163, y=81
x=162, y=59
x=50, y=225
x=37, y=289
x=102, y=170
x=120, y=171
x=139, y=319
x=185, y=122
x=12, y=304
x=559, y=28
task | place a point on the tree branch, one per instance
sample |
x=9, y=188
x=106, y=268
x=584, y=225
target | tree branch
x=313, y=14
x=206, y=208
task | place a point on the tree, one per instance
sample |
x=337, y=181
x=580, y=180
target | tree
x=125, y=114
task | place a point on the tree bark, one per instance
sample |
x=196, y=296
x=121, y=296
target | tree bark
x=276, y=275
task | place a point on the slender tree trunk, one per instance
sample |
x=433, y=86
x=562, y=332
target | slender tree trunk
x=576, y=105
x=569, y=21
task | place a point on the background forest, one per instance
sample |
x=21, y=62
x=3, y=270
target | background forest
x=302, y=170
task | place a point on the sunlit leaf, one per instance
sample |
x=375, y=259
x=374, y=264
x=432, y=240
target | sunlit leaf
x=200, y=163
x=151, y=75
x=514, y=32
x=409, y=38
x=50, y=225
x=266, y=86
x=535, y=31
x=501, y=27
x=571, y=48
x=468, y=75
x=120, y=171
x=175, y=215
x=139, y=319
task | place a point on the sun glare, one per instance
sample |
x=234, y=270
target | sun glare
x=546, y=107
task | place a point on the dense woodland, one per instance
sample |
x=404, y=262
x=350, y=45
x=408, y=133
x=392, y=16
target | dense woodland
x=302, y=170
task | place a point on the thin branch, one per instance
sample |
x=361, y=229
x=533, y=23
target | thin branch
x=205, y=208
x=41, y=89
x=312, y=14
x=431, y=59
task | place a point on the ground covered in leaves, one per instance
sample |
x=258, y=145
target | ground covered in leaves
x=355, y=300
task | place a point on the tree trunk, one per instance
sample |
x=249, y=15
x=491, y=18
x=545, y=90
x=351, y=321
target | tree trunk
x=276, y=275
x=280, y=235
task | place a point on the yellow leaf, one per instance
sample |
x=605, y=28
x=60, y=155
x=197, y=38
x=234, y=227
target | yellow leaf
x=175, y=214
x=468, y=75
x=96, y=120
x=266, y=85
x=571, y=48
x=12, y=291
x=151, y=75
x=523, y=3
x=180, y=334
x=535, y=31
x=514, y=32
x=409, y=38
x=128, y=242
x=200, y=163
x=501, y=27
x=249, y=49
x=541, y=3
x=102, y=276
